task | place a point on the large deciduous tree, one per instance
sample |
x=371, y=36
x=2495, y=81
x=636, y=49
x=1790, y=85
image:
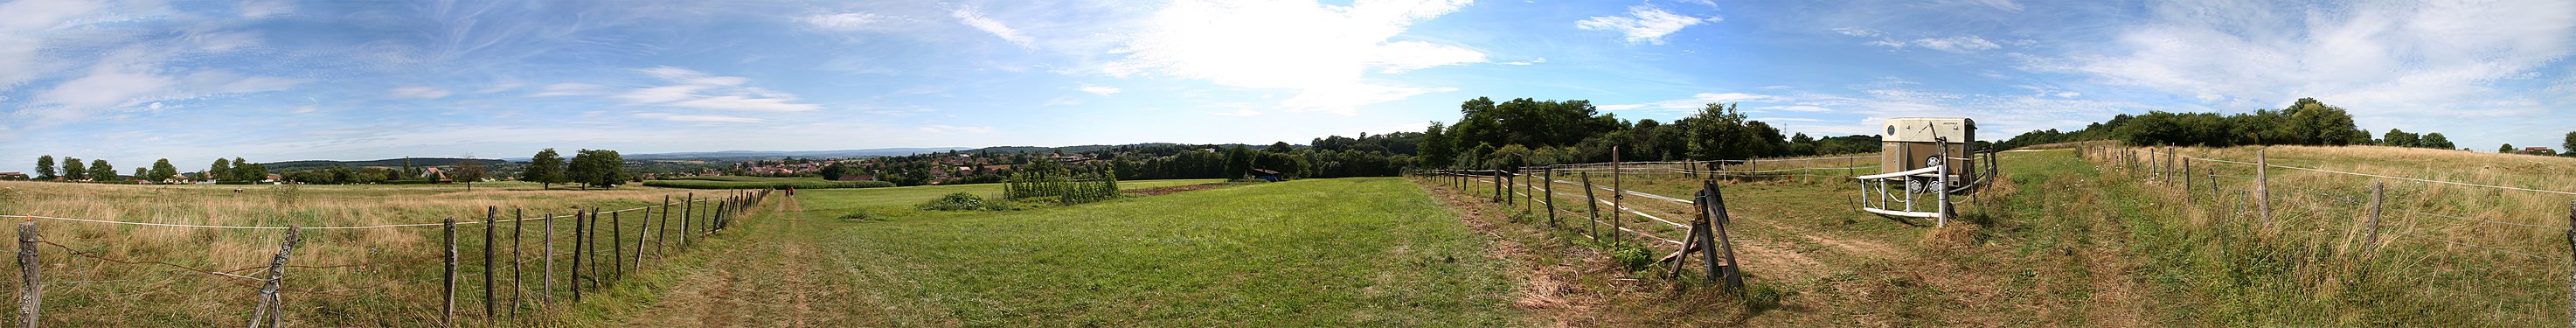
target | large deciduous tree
x=597, y=168
x=100, y=171
x=45, y=167
x=162, y=171
x=545, y=169
x=222, y=171
x=73, y=170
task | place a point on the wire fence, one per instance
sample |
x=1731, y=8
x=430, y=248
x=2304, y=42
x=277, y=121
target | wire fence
x=519, y=268
x=2448, y=228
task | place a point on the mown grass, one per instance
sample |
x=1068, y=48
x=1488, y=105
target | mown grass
x=772, y=184
x=1332, y=252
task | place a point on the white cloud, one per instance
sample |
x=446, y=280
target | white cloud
x=1804, y=108
x=1325, y=53
x=417, y=92
x=500, y=87
x=699, y=118
x=1528, y=62
x=305, y=109
x=1101, y=90
x=1642, y=24
x=849, y=21
x=968, y=16
x=134, y=76
x=1239, y=113
x=947, y=129
x=1957, y=44
x=2392, y=64
x=694, y=89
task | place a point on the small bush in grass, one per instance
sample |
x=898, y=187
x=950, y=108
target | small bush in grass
x=968, y=202
x=1631, y=257
x=1759, y=297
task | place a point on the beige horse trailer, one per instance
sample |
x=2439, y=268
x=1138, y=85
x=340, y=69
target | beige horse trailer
x=1913, y=143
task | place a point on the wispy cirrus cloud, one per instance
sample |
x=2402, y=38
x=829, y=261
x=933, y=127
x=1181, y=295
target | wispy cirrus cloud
x=970, y=17
x=1643, y=24
x=695, y=89
x=700, y=118
x=420, y=92
x=1101, y=90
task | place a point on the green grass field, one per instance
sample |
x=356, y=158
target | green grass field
x=1335, y=252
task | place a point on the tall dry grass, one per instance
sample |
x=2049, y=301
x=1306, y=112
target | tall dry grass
x=403, y=293
x=2434, y=261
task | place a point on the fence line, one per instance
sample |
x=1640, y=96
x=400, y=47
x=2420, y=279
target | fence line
x=2188, y=157
x=201, y=226
x=733, y=205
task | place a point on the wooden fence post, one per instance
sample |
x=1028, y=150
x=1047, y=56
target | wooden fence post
x=665, y=231
x=616, y=246
x=688, y=207
x=271, y=310
x=2186, y=182
x=31, y=286
x=1547, y=179
x=580, y=233
x=547, y=277
x=1617, y=194
x=1592, y=219
x=546, y=281
x=518, y=226
x=2372, y=239
x=2263, y=186
x=490, y=214
x=2571, y=243
x=447, y=289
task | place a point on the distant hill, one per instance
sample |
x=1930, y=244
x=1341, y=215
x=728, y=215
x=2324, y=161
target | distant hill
x=1066, y=149
x=751, y=154
x=393, y=162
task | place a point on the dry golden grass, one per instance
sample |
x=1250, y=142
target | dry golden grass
x=404, y=293
x=2440, y=248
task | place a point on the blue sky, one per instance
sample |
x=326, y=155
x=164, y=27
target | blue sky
x=132, y=81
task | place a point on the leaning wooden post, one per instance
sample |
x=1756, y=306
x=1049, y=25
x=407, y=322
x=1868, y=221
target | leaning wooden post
x=447, y=288
x=2263, y=186
x=270, y=309
x=1617, y=194
x=1592, y=205
x=688, y=207
x=31, y=287
x=666, y=228
x=2186, y=182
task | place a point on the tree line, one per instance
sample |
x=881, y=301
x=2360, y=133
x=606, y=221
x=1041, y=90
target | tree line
x=2305, y=122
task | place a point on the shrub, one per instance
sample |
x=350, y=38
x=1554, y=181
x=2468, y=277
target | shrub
x=1632, y=257
x=860, y=215
x=955, y=202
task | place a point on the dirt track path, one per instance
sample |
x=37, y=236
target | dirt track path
x=776, y=278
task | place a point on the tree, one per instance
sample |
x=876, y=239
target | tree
x=1281, y=147
x=834, y=171
x=2399, y=138
x=244, y=171
x=73, y=170
x=2507, y=149
x=45, y=167
x=596, y=168
x=100, y=171
x=1438, y=149
x=2570, y=144
x=162, y=171
x=2437, y=141
x=222, y=171
x=468, y=170
x=546, y=169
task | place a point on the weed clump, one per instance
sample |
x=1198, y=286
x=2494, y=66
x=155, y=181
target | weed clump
x=858, y=216
x=1632, y=257
x=966, y=202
